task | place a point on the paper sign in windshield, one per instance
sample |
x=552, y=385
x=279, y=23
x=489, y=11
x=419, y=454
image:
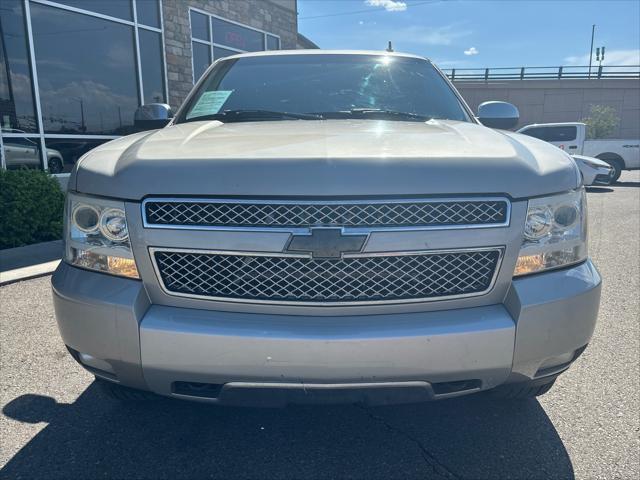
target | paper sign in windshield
x=209, y=103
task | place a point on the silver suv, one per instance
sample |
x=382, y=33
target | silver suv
x=326, y=226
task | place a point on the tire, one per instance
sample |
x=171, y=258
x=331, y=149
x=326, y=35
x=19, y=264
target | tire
x=523, y=390
x=55, y=165
x=616, y=163
x=124, y=394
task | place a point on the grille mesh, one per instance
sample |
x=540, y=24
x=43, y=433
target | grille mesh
x=392, y=214
x=320, y=280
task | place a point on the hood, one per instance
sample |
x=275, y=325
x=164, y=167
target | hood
x=325, y=158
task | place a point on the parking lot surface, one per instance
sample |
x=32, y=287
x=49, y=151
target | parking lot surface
x=56, y=423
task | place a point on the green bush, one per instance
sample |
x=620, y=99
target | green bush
x=601, y=122
x=31, y=208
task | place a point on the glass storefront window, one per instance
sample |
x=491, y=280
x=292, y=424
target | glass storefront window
x=219, y=52
x=273, y=43
x=148, y=12
x=226, y=39
x=113, y=8
x=68, y=150
x=23, y=153
x=151, y=64
x=235, y=36
x=199, y=26
x=84, y=90
x=201, y=59
x=17, y=106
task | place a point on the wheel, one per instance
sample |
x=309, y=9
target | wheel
x=125, y=394
x=523, y=390
x=616, y=163
x=55, y=165
x=617, y=171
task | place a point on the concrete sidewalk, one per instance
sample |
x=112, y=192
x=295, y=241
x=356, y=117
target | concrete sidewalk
x=31, y=261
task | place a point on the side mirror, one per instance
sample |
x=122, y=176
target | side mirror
x=500, y=115
x=152, y=116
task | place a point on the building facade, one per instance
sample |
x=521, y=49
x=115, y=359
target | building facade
x=73, y=72
x=567, y=100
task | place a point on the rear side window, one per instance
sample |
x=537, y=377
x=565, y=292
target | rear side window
x=553, y=134
x=535, y=133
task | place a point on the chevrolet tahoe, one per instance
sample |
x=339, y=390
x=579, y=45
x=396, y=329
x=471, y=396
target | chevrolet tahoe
x=326, y=226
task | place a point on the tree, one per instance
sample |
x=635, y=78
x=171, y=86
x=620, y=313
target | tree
x=601, y=122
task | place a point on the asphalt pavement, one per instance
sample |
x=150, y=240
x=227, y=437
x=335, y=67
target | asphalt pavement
x=56, y=423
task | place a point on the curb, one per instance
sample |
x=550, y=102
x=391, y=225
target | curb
x=27, y=273
x=30, y=261
x=35, y=254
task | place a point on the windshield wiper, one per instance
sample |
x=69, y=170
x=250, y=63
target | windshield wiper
x=248, y=115
x=375, y=112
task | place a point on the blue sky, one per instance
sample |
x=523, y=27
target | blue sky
x=479, y=33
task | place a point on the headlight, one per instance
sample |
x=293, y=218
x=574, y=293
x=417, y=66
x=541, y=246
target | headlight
x=97, y=236
x=593, y=164
x=555, y=233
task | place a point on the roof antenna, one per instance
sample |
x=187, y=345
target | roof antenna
x=389, y=48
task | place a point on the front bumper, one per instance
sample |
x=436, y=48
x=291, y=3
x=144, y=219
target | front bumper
x=604, y=176
x=241, y=358
x=598, y=176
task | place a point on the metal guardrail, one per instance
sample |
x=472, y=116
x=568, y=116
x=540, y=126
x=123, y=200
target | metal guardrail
x=543, y=73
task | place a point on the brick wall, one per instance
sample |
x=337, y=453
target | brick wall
x=277, y=17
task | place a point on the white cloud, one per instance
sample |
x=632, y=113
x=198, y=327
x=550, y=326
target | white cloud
x=389, y=5
x=419, y=34
x=451, y=63
x=611, y=57
x=471, y=51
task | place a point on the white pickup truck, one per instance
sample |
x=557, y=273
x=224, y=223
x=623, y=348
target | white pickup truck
x=620, y=154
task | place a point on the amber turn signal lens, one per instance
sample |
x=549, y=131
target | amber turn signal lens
x=529, y=264
x=125, y=267
x=122, y=266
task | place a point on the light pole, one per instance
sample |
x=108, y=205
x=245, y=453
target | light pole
x=83, y=127
x=599, y=59
x=593, y=32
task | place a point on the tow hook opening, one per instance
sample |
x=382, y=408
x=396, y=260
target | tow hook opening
x=197, y=389
x=447, y=388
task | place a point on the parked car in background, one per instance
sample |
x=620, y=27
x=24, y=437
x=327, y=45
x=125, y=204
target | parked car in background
x=326, y=226
x=25, y=152
x=28, y=155
x=593, y=170
x=571, y=136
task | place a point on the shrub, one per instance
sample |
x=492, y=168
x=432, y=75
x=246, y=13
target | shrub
x=601, y=122
x=31, y=207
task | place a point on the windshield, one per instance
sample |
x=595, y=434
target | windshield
x=323, y=86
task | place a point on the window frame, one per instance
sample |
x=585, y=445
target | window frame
x=40, y=135
x=211, y=44
x=564, y=128
x=548, y=130
x=528, y=131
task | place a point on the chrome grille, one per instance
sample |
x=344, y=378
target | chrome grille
x=262, y=277
x=290, y=214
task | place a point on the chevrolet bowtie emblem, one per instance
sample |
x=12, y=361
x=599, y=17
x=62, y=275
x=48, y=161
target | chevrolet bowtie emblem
x=326, y=243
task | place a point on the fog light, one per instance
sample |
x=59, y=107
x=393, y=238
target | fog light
x=555, y=361
x=93, y=362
